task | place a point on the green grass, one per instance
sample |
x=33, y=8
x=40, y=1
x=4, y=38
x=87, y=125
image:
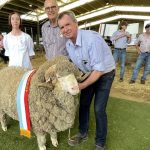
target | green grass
x=128, y=129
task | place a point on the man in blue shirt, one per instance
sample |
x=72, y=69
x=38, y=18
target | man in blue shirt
x=90, y=53
x=121, y=39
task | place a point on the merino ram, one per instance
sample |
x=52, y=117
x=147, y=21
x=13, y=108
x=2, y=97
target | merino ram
x=52, y=97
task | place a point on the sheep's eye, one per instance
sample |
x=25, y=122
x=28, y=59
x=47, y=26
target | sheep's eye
x=58, y=76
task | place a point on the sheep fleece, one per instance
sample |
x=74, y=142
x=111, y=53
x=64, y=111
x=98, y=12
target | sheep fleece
x=50, y=110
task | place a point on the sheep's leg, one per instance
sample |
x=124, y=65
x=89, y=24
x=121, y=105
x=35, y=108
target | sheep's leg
x=53, y=136
x=41, y=139
x=3, y=121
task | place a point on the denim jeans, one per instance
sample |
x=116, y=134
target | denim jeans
x=101, y=89
x=143, y=58
x=120, y=55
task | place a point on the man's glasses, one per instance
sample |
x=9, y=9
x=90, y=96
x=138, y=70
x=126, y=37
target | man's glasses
x=50, y=8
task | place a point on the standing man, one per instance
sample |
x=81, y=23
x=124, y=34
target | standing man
x=54, y=43
x=120, y=39
x=143, y=48
x=90, y=53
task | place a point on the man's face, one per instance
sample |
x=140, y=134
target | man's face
x=51, y=8
x=124, y=27
x=68, y=27
x=148, y=30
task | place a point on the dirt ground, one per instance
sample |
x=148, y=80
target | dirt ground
x=135, y=92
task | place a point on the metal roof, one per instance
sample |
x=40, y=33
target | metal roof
x=35, y=8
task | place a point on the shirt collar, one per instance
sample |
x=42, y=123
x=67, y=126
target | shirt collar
x=78, y=40
x=49, y=24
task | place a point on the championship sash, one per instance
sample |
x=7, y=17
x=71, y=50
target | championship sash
x=22, y=104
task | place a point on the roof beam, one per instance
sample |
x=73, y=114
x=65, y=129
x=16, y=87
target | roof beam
x=31, y=3
x=13, y=9
x=2, y=3
x=21, y=6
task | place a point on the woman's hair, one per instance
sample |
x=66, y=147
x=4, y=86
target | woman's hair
x=1, y=34
x=123, y=23
x=147, y=26
x=9, y=19
x=68, y=13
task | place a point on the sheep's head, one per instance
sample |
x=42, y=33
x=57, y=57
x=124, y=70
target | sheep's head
x=62, y=80
x=67, y=74
x=68, y=83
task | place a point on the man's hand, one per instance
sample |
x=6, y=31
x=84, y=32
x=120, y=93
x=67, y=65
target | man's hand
x=93, y=77
x=128, y=35
x=138, y=49
x=81, y=86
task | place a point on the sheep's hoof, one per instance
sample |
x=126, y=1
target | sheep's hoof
x=4, y=128
x=54, y=142
x=42, y=148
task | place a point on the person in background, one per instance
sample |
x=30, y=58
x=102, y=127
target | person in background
x=90, y=53
x=54, y=43
x=2, y=50
x=18, y=45
x=143, y=49
x=120, y=39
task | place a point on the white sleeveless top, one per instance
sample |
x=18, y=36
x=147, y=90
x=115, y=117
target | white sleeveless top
x=19, y=49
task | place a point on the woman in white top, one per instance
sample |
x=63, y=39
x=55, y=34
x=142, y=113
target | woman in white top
x=18, y=45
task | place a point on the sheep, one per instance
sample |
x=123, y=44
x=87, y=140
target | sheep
x=53, y=97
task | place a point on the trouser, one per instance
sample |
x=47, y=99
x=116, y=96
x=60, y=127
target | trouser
x=143, y=58
x=120, y=55
x=101, y=89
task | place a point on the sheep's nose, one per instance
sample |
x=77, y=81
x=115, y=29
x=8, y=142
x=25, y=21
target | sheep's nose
x=75, y=90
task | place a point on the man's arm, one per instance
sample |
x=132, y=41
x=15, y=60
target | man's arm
x=43, y=37
x=128, y=37
x=138, y=48
x=116, y=37
x=94, y=76
x=137, y=44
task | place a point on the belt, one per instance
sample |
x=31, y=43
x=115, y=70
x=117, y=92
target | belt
x=120, y=48
x=113, y=71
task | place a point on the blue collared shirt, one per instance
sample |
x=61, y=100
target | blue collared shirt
x=90, y=52
x=121, y=42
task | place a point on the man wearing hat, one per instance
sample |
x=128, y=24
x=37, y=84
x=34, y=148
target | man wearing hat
x=143, y=48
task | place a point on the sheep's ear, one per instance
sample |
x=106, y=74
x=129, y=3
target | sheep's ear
x=83, y=77
x=49, y=73
x=48, y=80
x=45, y=85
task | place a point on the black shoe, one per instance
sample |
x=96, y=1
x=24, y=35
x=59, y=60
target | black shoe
x=142, y=81
x=121, y=80
x=5, y=62
x=131, y=82
x=77, y=139
x=99, y=147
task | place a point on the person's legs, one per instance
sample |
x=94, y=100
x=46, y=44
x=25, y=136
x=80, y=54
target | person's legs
x=138, y=65
x=103, y=86
x=85, y=101
x=116, y=55
x=146, y=68
x=122, y=62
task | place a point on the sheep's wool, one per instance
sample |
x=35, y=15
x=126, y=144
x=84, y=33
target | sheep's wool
x=51, y=108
